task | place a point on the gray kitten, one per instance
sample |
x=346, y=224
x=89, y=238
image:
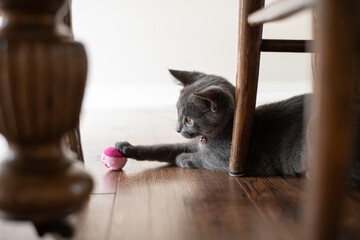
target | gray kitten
x=205, y=116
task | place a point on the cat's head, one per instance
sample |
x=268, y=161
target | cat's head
x=205, y=106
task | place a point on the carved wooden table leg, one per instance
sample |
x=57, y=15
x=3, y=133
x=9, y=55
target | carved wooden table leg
x=42, y=81
x=58, y=226
x=73, y=137
x=339, y=69
x=246, y=85
x=74, y=141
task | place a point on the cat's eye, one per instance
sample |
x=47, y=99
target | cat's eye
x=189, y=121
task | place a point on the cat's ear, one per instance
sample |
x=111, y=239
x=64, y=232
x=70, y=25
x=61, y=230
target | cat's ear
x=185, y=77
x=216, y=96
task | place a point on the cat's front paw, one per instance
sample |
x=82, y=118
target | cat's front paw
x=185, y=160
x=126, y=149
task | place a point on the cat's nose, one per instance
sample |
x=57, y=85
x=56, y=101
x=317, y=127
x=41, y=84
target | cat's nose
x=178, y=127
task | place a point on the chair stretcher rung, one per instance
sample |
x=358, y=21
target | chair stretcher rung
x=299, y=46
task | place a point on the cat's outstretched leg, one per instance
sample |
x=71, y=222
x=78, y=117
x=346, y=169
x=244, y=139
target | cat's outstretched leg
x=161, y=152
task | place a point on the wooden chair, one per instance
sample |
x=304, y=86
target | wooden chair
x=250, y=46
x=339, y=52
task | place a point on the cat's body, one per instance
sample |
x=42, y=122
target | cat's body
x=278, y=139
x=205, y=115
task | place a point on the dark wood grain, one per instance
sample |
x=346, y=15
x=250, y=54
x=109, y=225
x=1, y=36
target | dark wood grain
x=279, y=200
x=93, y=221
x=157, y=201
x=174, y=203
x=277, y=45
x=340, y=58
x=246, y=85
x=350, y=218
x=282, y=200
x=42, y=81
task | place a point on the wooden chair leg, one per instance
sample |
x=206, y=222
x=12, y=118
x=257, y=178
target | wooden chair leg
x=340, y=58
x=246, y=85
x=74, y=142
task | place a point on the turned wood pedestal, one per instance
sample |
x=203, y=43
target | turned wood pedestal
x=42, y=81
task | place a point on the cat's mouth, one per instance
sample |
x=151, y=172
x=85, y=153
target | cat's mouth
x=189, y=135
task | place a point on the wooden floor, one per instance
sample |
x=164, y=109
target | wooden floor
x=149, y=200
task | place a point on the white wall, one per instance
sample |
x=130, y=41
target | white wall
x=131, y=43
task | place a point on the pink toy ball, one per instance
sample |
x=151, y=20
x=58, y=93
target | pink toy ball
x=113, y=159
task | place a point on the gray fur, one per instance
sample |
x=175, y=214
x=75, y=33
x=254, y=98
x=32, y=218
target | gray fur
x=278, y=139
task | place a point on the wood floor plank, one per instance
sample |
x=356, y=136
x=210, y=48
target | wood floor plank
x=173, y=203
x=158, y=202
x=280, y=200
x=95, y=138
x=103, y=129
x=150, y=200
x=350, y=217
x=13, y=230
x=93, y=222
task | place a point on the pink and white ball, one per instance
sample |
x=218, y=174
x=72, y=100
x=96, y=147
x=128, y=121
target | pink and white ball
x=113, y=159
